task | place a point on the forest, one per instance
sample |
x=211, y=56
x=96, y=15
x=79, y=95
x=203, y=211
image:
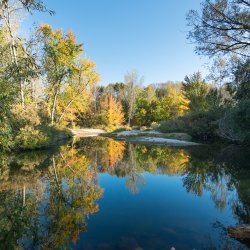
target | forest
x=48, y=84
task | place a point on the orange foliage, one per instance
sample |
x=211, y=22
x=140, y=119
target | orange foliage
x=112, y=113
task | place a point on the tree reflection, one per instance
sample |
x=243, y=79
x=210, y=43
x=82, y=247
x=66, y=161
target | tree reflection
x=53, y=216
x=73, y=191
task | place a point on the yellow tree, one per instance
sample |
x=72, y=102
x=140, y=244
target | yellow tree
x=176, y=102
x=112, y=113
x=60, y=56
x=77, y=93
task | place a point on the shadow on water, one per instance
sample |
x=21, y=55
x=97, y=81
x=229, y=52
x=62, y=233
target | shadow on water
x=49, y=199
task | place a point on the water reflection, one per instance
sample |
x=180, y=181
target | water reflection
x=47, y=197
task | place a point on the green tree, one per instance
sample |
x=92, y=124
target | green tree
x=195, y=89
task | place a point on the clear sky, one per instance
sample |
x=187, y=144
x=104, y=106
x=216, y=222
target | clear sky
x=121, y=35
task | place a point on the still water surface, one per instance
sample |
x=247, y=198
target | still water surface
x=98, y=193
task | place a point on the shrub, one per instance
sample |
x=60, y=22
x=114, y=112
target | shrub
x=203, y=125
x=121, y=129
x=154, y=125
x=200, y=125
x=173, y=125
x=235, y=125
x=25, y=116
x=31, y=138
x=6, y=137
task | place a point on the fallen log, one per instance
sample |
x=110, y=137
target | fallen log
x=241, y=233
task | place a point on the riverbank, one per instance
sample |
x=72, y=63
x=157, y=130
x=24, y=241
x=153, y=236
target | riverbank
x=153, y=137
x=140, y=137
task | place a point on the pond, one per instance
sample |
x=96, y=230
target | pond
x=98, y=193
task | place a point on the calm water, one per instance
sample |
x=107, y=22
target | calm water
x=104, y=194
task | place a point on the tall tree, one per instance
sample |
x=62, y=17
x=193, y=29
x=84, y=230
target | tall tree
x=195, y=90
x=76, y=96
x=60, y=57
x=22, y=63
x=111, y=110
x=223, y=27
x=132, y=80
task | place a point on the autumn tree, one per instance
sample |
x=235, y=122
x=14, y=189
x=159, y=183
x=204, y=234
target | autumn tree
x=60, y=54
x=111, y=111
x=152, y=107
x=76, y=97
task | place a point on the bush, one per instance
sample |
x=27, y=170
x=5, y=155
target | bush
x=203, y=125
x=31, y=138
x=121, y=129
x=154, y=125
x=25, y=116
x=6, y=137
x=173, y=126
x=200, y=125
x=235, y=125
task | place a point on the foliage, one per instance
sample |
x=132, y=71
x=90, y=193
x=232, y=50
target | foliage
x=77, y=95
x=30, y=138
x=151, y=108
x=195, y=89
x=200, y=125
x=234, y=125
x=112, y=114
x=61, y=52
x=242, y=80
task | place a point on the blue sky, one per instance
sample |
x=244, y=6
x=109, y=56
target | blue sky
x=121, y=35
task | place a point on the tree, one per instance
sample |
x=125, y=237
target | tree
x=111, y=110
x=60, y=54
x=132, y=82
x=242, y=80
x=223, y=27
x=29, y=5
x=76, y=96
x=195, y=90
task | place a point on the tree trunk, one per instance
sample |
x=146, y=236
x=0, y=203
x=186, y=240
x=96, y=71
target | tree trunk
x=24, y=195
x=68, y=105
x=54, y=107
x=129, y=120
x=33, y=92
x=14, y=52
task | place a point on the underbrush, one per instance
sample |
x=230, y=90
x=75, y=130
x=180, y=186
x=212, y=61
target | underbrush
x=201, y=125
x=27, y=129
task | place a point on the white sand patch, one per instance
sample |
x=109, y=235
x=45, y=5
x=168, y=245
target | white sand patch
x=128, y=133
x=164, y=141
x=87, y=132
x=136, y=133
